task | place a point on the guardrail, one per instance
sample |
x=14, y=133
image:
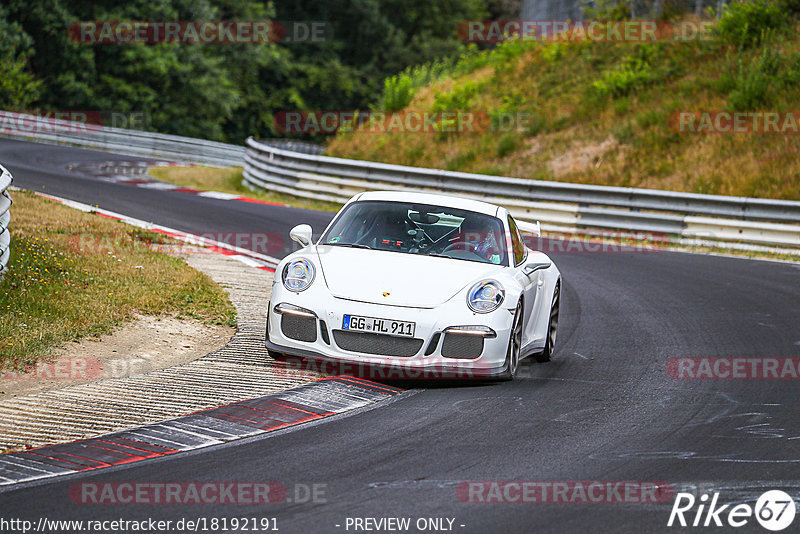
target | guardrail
x=132, y=142
x=5, y=218
x=561, y=207
x=299, y=169
x=119, y=140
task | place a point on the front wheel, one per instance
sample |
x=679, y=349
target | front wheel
x=552, y=329
x=514, y=345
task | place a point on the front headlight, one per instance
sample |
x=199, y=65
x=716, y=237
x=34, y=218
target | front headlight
x=297, y=275
x=486, y=296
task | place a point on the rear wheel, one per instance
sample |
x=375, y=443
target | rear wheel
x=552, y=329
x=514, y=345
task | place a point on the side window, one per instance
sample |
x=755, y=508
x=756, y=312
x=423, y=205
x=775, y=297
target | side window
x=516, y=242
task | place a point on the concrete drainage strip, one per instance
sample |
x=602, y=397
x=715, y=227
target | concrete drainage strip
x=234, y=392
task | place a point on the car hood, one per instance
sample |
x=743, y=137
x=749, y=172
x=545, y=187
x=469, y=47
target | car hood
x=397, y=279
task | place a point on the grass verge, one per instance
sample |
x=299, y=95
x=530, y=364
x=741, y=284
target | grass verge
x=229, y=180
x=74, y=275
x=607, y=113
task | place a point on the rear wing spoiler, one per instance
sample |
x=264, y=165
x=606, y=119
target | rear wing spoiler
x=530, y=228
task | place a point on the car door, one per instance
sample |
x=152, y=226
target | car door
x=531, y=283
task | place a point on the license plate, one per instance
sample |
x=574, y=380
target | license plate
x=373, y=325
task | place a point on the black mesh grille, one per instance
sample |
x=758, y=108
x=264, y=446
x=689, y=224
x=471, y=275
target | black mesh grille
x=377, y=344
x=299, y=328
x=465, y=346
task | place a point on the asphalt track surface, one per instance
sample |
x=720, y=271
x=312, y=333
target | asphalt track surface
x=604, y=410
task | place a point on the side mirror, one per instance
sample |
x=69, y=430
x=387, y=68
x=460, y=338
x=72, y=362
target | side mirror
x=533, y=267
x=302, y=234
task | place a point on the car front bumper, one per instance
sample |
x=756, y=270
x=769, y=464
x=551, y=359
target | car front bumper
x=309, y=324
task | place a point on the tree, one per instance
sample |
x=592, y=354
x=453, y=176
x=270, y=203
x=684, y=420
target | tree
x=215, y=91
x=18, y=88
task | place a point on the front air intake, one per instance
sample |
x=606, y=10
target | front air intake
x=299, y=328
x=463, y=346
x=377, y=344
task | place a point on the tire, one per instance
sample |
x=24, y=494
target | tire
x=552, y=329
x=514, y=346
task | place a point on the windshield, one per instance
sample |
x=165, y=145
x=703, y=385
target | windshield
x=420, y=229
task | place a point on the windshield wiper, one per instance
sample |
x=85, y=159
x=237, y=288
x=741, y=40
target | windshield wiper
x=351, y=245
x=437, y=255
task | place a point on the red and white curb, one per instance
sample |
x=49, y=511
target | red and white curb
x=248, y=257
x=133, y=173
x=309, y=402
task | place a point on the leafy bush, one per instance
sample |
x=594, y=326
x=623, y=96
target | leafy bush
x=753, y=80
x=791, y=6
x=398, y=91
x=608, y=10
x=790, y=76
x=18, y=88
x=634, y=71
x=552, y=52
x=748, y=23
x=503, y=56
x=471, y=60
x=459, y=99
x=624, y=79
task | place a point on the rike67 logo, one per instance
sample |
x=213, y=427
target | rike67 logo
x=774, y=510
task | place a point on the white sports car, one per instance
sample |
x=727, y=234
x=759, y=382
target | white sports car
x=430, y=285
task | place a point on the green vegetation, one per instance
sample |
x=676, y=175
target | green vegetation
x=74, y=275
x=18, y=88
x=748, y=24
x=223, y=92
x=609, y=113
